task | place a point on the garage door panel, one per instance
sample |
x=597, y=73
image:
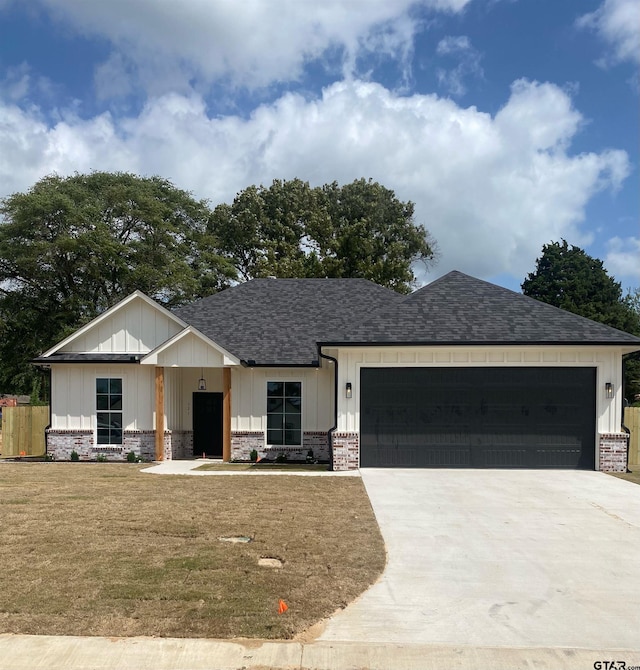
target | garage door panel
x=478, y=417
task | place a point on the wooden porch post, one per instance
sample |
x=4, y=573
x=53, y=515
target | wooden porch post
x=159, y=414
x=226, y=414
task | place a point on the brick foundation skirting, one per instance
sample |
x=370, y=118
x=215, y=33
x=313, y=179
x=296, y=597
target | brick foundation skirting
x=318, y=442
x=182, y=444
x=244, y=442
x=612, y=448
x=346, y=451
x=61, y=443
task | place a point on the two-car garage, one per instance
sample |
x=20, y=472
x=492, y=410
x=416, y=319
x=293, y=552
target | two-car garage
x=478, y=417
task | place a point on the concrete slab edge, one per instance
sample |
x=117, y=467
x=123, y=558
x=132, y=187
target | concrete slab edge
x=32, y=652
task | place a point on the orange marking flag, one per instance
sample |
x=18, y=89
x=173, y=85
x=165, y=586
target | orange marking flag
x=282, y=607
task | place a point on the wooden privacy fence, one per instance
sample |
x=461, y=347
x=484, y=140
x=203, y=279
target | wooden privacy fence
x=632, y=422
x=23, y=431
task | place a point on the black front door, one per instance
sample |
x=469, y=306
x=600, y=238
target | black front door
x=207, y=425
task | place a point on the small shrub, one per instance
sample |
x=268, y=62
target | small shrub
x=310, y=458
x=132, y=458
x=101, y=458
x=75, y=456
x=253, y=456
x=281, y=458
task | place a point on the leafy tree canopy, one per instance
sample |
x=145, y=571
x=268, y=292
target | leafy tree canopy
x=290, y=229
x=569, y=278
x=72, y=247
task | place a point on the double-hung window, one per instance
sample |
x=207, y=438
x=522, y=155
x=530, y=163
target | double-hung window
x=284, y=413
x=109, y=410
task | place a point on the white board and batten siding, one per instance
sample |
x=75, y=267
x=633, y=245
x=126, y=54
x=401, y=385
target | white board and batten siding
x=179, y=386
x=135, y=328
x=606, y=360
x=73, y=394
x=190, y=349
x=249, y=396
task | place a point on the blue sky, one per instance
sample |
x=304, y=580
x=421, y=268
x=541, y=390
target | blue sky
x=510, y=123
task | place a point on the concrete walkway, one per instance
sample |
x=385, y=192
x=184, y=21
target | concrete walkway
x=24, y=652
x=189, y=468
x=501, y=558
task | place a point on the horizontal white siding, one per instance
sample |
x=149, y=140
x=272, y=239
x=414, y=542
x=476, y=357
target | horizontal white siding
x=606, y=360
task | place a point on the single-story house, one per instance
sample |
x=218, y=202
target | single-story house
x=460, y=373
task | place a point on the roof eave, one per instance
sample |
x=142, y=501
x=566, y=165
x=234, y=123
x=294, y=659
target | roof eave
x=632, y=346
x=250, y=363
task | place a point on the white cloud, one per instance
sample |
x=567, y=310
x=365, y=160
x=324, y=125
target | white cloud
x=451, y=45
x=491, y=189
x=623, y=259
x=617, y=22
x=468, y=63
x=246, y=43
x=18, y=84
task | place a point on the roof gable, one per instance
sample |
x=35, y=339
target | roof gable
x=190, y=348
x=136, y=324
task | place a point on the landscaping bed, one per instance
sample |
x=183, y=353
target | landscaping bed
x=265, y=466
x=100, y=549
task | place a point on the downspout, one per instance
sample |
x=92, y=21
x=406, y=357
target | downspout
x=46, y=429
x=335, y=403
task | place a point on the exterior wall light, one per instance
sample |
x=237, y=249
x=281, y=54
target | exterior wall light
x=348, y=390
x=608, y=390
x=202, y=382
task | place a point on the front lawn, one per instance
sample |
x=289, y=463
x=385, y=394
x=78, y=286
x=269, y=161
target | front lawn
x=101, y=549
x=633, y=476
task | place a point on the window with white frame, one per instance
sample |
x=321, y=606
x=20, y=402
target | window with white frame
x=284, y=413
x=109, y=410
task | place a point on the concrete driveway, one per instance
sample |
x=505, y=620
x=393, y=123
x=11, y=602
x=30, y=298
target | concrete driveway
x=514, y=558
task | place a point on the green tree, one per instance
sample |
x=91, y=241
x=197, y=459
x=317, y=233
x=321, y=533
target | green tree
x=569, y=278
x=72, y=247
x=632, y=361
x=290, y=229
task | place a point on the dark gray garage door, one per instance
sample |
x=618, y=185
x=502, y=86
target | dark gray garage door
x=477, y=417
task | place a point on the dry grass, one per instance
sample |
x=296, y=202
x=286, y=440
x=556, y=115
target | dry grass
x=101, y=549
x=633, y=476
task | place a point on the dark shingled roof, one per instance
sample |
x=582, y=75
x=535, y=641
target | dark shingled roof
x=459, y=309
x=281, y=321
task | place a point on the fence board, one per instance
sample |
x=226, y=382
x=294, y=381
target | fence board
x=632, y=422
x=23, y=431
